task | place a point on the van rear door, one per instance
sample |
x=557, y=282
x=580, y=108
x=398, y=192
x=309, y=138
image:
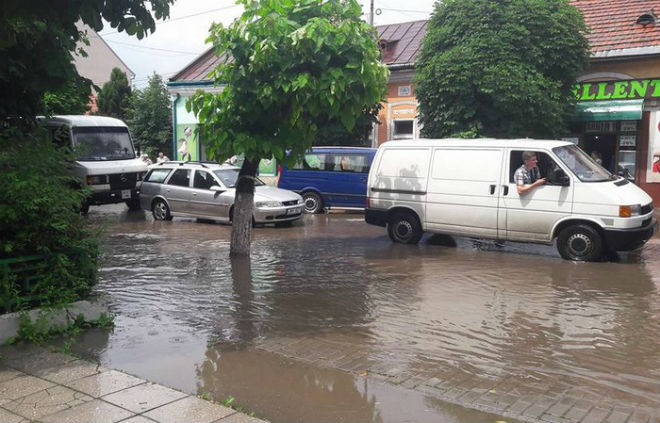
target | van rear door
x=463, y=190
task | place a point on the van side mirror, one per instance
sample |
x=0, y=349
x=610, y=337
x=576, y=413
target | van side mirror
x=559, y=177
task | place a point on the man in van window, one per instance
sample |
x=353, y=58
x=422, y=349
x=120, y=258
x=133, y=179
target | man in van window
x=528, y=176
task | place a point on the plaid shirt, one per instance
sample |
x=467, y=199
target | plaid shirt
x=524, y=176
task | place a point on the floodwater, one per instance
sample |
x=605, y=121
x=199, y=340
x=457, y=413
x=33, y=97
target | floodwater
x=189, y=317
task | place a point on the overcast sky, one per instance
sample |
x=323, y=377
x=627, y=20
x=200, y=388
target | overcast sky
x=179, y=40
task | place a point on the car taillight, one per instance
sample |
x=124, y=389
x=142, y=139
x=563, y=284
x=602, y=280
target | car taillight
x=279, y=175
x=368, y=202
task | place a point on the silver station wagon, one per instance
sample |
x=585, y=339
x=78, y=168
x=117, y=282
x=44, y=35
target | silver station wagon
x=207, y=190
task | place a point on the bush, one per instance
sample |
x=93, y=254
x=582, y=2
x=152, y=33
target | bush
x=47, y=255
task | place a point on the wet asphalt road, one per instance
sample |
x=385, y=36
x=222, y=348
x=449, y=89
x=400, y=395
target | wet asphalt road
x=330, y=321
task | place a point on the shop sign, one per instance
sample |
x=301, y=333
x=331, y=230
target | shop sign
x=598, y=126
x=403, y=111
x=629, y=126
x=404, y=91
x=617, y=90
x=627, y=141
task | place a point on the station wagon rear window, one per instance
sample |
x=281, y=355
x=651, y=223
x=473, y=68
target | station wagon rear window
x=157, y=175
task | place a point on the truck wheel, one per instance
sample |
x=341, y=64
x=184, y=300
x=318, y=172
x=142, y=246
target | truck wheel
x=404, y=228
x=160, y=210
x=580, y=243
x=313, y=202
x=84, y=207
x=133, y=204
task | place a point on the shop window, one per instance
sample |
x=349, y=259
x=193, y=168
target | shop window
x=403, y=129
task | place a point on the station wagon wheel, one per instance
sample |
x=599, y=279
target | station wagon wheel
x=313, y=202
x=580, y=243
x=404, y=228
x=160, y=210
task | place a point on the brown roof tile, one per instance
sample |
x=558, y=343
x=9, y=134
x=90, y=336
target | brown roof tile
x=612, y=24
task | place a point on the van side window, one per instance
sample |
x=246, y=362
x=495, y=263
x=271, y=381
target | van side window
x=203, y=180
x=311, y=162
x=157, y=175
x=181, y=177
x=547, y=166
x=353, y=163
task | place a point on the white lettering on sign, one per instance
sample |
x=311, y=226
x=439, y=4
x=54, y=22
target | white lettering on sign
x=627, y=141
x=403, y=112
x=629, y=126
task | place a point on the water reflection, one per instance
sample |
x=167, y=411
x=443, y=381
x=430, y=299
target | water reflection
x=514, y=313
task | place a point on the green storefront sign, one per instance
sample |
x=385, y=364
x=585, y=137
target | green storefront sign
x=618, y=90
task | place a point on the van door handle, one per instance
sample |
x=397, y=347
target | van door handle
x=506, y=189
x=492, y=189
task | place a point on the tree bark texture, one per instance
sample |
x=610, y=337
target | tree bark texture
x=241, y=228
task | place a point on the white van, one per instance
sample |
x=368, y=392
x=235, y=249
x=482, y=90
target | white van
x=105, y=157
x=466, y=188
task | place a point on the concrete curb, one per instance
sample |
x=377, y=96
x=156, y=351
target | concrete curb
x=58, y=318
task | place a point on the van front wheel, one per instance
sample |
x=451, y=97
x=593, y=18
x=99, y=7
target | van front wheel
x=313, y=203
x=580, y=243
x=404, y=229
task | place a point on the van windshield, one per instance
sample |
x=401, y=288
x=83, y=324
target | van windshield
x=102, y=143
x=230, y=176
x=582, y=165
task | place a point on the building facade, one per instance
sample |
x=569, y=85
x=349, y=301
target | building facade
x=618, y=111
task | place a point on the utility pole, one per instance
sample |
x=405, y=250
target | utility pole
x=371, y=13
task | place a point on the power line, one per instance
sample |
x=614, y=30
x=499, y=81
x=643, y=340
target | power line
x=184, y=17
x=154, y=48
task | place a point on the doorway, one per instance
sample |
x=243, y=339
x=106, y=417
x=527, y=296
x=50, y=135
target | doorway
x=605, y=144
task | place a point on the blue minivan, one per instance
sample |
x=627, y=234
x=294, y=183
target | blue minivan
x=330, y=177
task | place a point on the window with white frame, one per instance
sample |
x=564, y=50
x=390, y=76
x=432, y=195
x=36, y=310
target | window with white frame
x=403, y=128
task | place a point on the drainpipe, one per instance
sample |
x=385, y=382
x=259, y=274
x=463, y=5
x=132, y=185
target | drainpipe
x=174, y=105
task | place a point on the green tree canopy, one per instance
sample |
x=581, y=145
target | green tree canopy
x=38, y=38
x=150, y=117
x=500, y=68
x=114, y=98
x=72, y=99
x=292, y=65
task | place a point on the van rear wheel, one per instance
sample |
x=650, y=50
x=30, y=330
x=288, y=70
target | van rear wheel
x=404, y=228
x=313, y=202
x=580, y=243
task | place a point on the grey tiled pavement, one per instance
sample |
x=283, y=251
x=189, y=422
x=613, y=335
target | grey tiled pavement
x=40, y=385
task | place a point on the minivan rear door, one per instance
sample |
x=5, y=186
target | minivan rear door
x=350, y=180
x=463, y=190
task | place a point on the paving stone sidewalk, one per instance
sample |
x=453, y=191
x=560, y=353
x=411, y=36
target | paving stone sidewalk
x=39, y=385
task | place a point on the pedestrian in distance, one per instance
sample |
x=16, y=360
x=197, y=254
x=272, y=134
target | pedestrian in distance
x=528, y=176
x=597, y=157
x=145, y=158
x=162, y=158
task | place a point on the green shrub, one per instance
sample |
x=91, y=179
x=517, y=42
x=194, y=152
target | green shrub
x=39, y=218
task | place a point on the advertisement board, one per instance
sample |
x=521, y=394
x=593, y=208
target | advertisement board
x=653, y=167
x=186, y=143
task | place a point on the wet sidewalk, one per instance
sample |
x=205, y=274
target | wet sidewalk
x=39, y=385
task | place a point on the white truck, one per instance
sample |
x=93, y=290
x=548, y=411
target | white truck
x=467, y=188
x=105, y=157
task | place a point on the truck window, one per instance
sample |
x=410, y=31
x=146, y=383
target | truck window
x=102, y=143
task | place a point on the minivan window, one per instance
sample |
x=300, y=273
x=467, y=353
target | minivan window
x=582, y=165
x=352, y=163
x=181, y=177
x=157, y=175
x=312, y=162
x=102, y=143
x=230, y=176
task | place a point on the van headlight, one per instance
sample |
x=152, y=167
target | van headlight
x=628, y=211
x=269, y=204
x=96, y=180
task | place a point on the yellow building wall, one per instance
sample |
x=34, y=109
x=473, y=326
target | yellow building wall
x=397, y=106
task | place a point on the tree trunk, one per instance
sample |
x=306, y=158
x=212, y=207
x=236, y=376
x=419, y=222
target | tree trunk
x=241, y=228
